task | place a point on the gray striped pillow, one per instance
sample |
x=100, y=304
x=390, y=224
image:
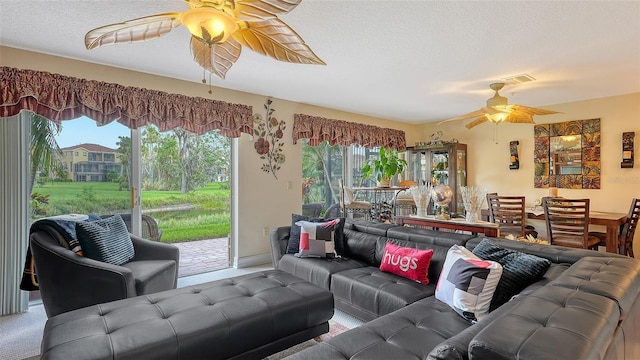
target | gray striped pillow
x=106, y=240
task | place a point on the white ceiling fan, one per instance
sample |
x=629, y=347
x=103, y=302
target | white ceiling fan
x=498, y=110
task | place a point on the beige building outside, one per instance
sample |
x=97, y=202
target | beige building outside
x=90, y=163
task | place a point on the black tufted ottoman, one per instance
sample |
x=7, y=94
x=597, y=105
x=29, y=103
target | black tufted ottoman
x=246, y=317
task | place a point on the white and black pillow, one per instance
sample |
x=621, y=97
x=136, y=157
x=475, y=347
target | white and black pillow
x=467, y=283
x=293, y=245
x=519, y=270
x=106, y=240
x=317, y=239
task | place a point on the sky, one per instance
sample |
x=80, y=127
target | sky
x=84, y=130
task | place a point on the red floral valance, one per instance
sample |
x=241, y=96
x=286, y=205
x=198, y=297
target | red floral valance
x=59, y=97
x=337, y=132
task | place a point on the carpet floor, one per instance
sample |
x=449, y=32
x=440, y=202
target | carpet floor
x=335, y=328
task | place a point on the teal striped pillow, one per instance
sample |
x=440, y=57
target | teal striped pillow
x=106, y=240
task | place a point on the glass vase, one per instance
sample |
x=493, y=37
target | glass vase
x=421, y=196
x=472, y=198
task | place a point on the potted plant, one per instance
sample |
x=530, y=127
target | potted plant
x=385, y=167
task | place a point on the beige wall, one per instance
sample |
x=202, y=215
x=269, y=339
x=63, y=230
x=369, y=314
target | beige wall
x=262, y=201
x=488, y=162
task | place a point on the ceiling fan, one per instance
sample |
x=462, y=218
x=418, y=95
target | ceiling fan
x=498, y=110
x=219, y=29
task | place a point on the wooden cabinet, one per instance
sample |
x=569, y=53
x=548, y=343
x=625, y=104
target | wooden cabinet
x=442, y=163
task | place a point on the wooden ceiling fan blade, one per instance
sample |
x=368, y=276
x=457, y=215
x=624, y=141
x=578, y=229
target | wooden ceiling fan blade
x=534, y=111
x=276, y=39
x=141, y=29
x=477, y=122
x=258, y=10
x=217, y=58
x=470, y=115
x=194, y=3
x=519, y=117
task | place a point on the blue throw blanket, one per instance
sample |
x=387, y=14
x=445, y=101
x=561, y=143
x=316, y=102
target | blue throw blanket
x=66, y=226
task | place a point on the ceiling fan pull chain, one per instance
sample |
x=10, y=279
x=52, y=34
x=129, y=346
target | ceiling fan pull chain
x=495, y=133
x=210, y=85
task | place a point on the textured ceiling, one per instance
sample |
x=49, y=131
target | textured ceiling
x=411, y=61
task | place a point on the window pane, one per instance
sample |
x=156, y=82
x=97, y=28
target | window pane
x=85, y=175
x=323, y=166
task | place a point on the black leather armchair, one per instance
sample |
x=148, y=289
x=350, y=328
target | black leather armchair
x=68, y=281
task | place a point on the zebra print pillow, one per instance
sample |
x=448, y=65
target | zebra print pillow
x=106, y=240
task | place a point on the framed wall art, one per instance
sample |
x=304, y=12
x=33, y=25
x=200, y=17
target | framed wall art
x=567, y=155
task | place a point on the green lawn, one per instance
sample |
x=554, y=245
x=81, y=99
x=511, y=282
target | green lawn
x=203, y=214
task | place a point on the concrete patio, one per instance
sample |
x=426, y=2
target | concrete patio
x=200, y=256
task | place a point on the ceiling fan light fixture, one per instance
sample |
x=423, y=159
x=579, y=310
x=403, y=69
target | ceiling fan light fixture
x=209, y=25
x=498, y=117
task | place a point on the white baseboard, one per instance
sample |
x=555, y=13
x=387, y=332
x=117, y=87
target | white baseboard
x=253, y=260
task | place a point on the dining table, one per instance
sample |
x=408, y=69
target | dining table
x=612, y=221
x=454, y=224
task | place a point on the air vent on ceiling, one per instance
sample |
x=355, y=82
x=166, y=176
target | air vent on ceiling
x=518, y=79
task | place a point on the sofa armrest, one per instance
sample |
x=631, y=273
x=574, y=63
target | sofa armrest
x=68, y=281
x=279, y=240
x=153, y=250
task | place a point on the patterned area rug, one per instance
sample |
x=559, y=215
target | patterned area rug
x=335, y=328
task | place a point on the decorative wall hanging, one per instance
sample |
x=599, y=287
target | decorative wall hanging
x=567, y=155
x=627, y=150
x=514, y=161
x=269, y=143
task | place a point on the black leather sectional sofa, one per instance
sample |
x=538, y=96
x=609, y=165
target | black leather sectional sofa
x=586, y=306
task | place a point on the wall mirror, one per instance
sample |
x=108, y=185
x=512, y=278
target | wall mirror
x=567, y=155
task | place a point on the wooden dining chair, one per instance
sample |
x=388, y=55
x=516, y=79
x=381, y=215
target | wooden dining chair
x=508, y=213
x=568, y=222
x=628, y=230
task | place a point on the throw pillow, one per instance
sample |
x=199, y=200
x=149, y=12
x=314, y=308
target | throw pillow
x=293, y=245
x=106, y=240
x=519, y=270
x=406, y=262
x=317, y=239
x=467, y=283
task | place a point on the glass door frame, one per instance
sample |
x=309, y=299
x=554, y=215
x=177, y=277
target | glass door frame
x=136, y=181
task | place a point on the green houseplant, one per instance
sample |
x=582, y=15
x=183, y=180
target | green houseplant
x=385, y=167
